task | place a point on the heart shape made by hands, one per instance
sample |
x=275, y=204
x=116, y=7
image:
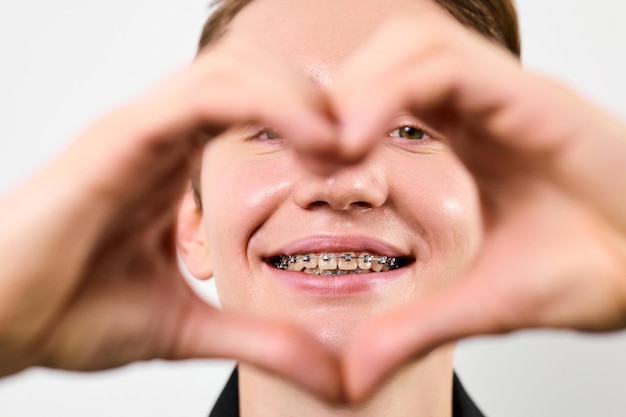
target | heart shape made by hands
x=551, y=250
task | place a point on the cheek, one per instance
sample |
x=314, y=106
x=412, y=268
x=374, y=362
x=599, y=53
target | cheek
x=238, y=194
x=237, y=189
x=444, y=205
x=241, y=192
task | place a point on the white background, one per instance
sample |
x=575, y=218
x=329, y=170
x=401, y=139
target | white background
x=64, y=62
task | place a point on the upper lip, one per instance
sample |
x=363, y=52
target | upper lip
x=333, y=243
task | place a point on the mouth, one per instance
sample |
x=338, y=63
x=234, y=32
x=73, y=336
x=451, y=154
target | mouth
x=338, y=264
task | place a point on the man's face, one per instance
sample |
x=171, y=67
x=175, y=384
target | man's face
x=285, y=241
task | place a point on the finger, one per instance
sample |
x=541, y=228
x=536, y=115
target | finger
x=296, y=111
x=276, y=92
x=412, y=332
x=373, y=83
x=278, y=348
x=502, y=291
x=304, y=115
x=428, y=65
x=217, y=91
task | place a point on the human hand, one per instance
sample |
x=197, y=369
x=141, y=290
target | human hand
x=89, y=276
x=547, y=164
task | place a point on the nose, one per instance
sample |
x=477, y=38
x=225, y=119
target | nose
x=342, y=185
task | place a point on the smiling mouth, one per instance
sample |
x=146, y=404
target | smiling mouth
x=336, y=264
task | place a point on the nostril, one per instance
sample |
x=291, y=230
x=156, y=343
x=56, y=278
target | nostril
x=359, y=205
x=362, y=205
x=318, y=204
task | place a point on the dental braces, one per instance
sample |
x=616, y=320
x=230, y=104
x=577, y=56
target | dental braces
x=285, y=260
x=336, y=273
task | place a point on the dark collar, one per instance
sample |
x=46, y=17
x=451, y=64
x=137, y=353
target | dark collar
x=227, y=404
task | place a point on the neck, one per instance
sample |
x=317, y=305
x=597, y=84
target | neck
x=423, y=388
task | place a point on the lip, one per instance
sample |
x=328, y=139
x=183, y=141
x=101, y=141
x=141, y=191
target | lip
x=342, y=285
x=339, y=243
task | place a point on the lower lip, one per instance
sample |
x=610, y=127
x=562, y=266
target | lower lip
x=336, y=285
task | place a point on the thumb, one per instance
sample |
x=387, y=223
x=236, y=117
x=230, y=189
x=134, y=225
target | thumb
x=413, y=331
x=279, y=348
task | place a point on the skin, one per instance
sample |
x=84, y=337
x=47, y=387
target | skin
x=113, y=295
x=554, y=248
x=258, y=195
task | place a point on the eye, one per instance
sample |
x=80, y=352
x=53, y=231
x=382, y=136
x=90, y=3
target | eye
x=409, y=132
x=267, y=134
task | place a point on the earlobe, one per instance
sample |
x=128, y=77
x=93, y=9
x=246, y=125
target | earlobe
x=191, y=238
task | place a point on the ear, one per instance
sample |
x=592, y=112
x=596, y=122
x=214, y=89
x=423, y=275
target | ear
x=191, y=237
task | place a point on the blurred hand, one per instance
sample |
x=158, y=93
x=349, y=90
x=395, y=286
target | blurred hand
x=89, y=276
x=551, y=170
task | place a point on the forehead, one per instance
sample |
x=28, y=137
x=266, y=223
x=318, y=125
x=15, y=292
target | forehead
x=318, y=34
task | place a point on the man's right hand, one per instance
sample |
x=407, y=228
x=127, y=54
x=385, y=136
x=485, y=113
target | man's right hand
x=89, y=276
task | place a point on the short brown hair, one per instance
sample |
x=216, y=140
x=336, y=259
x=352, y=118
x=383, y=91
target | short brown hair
x=494, y=19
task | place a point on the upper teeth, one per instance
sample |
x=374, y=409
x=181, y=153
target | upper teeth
x=336, y=264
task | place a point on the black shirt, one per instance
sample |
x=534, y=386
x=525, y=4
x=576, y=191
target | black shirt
x=227, y=404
